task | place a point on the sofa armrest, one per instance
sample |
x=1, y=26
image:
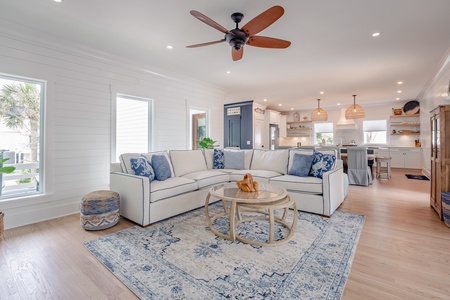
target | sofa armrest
x=333, y=190
x=134, y=194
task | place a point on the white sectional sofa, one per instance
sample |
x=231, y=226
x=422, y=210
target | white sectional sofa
x=192, y=175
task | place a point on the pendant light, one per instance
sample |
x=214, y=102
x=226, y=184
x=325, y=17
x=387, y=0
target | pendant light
x=355, y=111
x=319, y=114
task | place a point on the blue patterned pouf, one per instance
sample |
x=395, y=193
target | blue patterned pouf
x=446, y=207
x=99, y=210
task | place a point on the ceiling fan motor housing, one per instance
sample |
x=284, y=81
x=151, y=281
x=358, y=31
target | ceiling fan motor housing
x=236, y=38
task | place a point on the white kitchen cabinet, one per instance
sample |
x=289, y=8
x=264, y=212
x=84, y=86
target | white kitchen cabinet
x=274, y=117
x=407, y=158
x=282, y=126
x=381, y=152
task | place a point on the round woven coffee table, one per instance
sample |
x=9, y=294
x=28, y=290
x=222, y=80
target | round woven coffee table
x=262, y=204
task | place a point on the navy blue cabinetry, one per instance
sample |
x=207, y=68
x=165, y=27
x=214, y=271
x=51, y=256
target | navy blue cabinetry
x=238, y=125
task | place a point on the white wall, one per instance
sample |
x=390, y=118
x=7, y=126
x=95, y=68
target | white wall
x=80, y=89
x=435, y=93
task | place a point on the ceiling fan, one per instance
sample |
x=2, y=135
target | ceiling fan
x=238, y=37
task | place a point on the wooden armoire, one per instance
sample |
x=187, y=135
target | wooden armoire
x=440, y=156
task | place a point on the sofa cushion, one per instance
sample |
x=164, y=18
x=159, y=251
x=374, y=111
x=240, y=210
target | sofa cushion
x=218, y=159
x=142, y=167
x=322, y=163
x=309, y=184
x=125, y=163
x=166, y=154
x=271, y=160
x=301, y=165
x=234, y=159
x=171, y=187
x=207, y=178
x=187, y=161
x=161, y=166
x=258, y=175
x=292, y=153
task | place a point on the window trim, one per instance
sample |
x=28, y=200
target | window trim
x=150, y=102
x=42, y=129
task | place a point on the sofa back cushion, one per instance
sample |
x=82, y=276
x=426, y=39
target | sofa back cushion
x=209, y=156
x=271, y=160
x=126, y=165
x=234, y=159
x=187, y=161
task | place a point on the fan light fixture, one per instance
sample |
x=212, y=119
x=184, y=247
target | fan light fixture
x=355, y=111
x=319, y=114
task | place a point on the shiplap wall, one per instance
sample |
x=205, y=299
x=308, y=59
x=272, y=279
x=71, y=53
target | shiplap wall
x=78, y=117
x=435, y=93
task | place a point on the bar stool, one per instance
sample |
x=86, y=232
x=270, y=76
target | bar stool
x=383, y=170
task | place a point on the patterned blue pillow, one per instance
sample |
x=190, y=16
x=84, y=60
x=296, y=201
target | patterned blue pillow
x=322, y=163
x=142, y=167
x=301, y=165
x=218, y=159
x=161, y=167
x=233, y=159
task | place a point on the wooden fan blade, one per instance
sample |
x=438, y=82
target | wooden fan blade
x=267, y=42
x=237, y=54
x=208, y=21
x=205, y=44
x=263, y=20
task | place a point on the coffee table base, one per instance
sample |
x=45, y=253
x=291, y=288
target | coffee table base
x=264, y=210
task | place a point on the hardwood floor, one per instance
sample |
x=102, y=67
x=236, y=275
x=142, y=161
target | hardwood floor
x=403, y=251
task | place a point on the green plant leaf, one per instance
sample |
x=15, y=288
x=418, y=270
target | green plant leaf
x=7, y=169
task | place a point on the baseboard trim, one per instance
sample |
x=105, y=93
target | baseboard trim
x=37, y=213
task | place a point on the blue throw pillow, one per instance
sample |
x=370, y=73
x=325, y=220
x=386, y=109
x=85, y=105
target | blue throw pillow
x=161, y=167
x=218, y=159
x=233, y=159
x=301, y=165
x=141, y=166
x=322, y=163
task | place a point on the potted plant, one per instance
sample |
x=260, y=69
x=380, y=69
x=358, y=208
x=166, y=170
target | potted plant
x=207, y=143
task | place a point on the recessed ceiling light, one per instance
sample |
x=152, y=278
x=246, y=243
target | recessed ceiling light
x=280, y=104
x=338, y=104
x=321, y=93
x=400, y=82
x=169, y=47
x=292, y=108
x=228, y=72
x=375, y=34
x=265, y=100
x=397, y=98
x=399, y=92
x=59, y=1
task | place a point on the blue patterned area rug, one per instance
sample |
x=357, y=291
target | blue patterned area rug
x=180, y=258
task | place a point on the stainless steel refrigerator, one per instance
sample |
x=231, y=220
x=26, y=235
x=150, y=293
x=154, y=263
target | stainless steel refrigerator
x=274, y=136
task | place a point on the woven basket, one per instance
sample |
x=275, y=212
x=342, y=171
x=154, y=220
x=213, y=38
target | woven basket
x=1, y=223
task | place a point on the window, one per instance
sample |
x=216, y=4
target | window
x=375, y=132
x=323, y=133
x=198, y=126
x=21, y=135
x=132, y=125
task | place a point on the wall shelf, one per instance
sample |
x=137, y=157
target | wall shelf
x=405, y=124
x=298, y=129
x=299, y=135
x=307, y=121
x=406, y=116
x=405, y=133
